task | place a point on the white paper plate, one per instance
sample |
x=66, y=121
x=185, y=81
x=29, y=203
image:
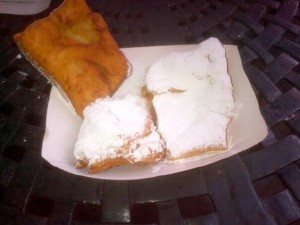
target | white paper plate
x=62, y=126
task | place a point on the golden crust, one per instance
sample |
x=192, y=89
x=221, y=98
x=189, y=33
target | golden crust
x=125, y=155
x=108, y=163
x=195, y=152
x=75, y=48
x=103, y=165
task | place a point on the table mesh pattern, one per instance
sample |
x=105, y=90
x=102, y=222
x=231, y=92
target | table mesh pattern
x=258, y=186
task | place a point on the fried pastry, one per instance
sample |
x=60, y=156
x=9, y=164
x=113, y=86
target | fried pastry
x=192, y=96
x=75, y=50
x=117, y=131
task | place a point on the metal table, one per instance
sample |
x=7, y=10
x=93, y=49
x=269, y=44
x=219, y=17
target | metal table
x=258, y=186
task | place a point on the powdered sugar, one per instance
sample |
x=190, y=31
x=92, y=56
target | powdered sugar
x=146, y=146
x=193, y=98
x=108, y=126
x=193, y=102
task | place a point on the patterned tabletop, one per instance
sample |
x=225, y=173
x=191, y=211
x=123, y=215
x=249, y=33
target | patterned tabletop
x=258, y=186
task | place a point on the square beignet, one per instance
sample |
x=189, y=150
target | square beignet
x=118, y=131
x=192, y=96
x=75, y=50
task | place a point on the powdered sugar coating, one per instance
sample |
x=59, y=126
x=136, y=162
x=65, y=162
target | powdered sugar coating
x=192, y=98
x=110, y=124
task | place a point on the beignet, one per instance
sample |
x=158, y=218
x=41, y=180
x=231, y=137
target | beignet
x=75, y=50
x=117, y=131
x=192, y=96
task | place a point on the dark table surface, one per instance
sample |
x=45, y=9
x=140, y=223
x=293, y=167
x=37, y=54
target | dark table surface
x=258, y=186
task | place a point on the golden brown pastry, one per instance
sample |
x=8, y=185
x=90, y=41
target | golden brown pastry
x=75, y=49
x=192, y=96
x=117, y=131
